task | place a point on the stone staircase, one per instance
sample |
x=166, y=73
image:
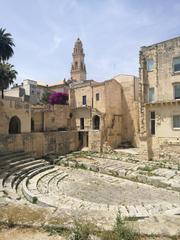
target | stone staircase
x=17, y=166
x=36, y=181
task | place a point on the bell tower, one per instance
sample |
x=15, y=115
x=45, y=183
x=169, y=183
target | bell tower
x=78, y=68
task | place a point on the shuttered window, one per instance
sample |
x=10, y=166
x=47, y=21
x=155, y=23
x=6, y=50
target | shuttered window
x=176, y=121
x=149, y=63
x=177, y=91
x=176, y=64
x=151, y=95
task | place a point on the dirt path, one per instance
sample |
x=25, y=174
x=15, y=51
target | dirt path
x=27, y=234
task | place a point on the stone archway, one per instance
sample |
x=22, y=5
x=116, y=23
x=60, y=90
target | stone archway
x=96, y=122
x=14, y=125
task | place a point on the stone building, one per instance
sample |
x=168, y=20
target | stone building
x=159, y=99
x=29, y=91
x=102, y=110
x=32, y=91
x=37, y=129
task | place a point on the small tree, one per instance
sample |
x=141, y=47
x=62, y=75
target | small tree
x=45, y=97
x=58, y=98
x=7, y=76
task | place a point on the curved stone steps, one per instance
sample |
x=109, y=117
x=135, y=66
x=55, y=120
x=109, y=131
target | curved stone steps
x=30, y=174
x=30, y=191
x=33, y=181
x=18, y=184
x=59, y=180
x=43, y=185
x=17, y=179
x=52, y=183
x=15, y=165
x=9, y=154
x=19, y=170
x=13, y=157
x=56, y=198
x=24, y=171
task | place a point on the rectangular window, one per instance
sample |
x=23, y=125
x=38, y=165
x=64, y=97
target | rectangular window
x=84, y=100
x=97, y=96
x=177, y=91
x=176, y=64
x=176, y=121
x=81, y=123
x=152, y=123
x=149, y=64
x=151, y=94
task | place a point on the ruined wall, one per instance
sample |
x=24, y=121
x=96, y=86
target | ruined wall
x=95, y=140
x=129, y=85
x=10, y=108
x=57, y=118
x=50, y=118
x=40, y=144
x=112, y=134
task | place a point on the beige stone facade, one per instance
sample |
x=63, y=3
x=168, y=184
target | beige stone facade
x=14, y=109
x=159, y=93
x=129, y=85
x=40, y=143
x=143, y=112
x=96, y=109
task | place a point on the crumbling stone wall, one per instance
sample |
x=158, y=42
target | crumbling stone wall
x=41, y=143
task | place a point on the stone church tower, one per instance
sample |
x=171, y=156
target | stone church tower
x=78, y=69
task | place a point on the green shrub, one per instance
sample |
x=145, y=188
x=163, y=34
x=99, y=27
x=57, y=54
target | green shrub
x=10, y=223
x=56, y=230
x=120, y=232
x=80, y=232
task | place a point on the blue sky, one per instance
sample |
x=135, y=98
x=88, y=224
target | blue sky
x=112, y=32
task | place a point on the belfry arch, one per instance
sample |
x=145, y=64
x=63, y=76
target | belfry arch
x=14, y=125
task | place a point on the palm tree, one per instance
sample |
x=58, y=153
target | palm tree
x=6, y=45
x=7, y=76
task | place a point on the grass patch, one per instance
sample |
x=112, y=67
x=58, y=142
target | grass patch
x=83, y=231
x=147, y=168
x=82, y=166
x=120, y=231
x=56, y=230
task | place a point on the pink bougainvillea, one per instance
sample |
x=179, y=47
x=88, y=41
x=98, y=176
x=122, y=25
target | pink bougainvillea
x=58, y=98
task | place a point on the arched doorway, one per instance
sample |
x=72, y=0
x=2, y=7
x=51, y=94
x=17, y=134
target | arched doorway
x=96, y=122
x=14, y=125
